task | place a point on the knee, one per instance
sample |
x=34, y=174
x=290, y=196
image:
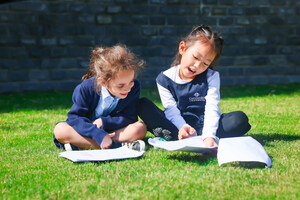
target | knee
x=242, y=122
x=140, y=129
x=60, y=132
x=241, y=118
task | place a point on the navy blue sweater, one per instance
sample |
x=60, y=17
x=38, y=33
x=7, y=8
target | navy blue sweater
x=85, y=100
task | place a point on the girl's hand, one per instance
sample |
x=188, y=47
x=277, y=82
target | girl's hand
x=210, y=142
x=98, y=122
x=185, y=132
x=107, y=141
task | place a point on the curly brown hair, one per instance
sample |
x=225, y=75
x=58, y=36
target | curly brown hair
x=107, y=62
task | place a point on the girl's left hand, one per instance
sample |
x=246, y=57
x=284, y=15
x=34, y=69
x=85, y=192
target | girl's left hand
x=98, y=122
x=210, y=142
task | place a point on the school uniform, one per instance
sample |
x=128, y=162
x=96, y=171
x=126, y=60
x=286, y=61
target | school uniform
x=88, y=106
x=191, y=103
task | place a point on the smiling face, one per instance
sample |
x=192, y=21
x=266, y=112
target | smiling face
x=195, y=59
x=121, y=83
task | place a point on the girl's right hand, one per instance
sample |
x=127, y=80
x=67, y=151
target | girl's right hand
x=185, y=132
x=107, y=141
x=210, y=142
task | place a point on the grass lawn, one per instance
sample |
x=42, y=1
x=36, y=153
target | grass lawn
x=31, y=169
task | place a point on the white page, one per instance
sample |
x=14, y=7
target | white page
x=192, y=144
x=241, y=149
x=101, y=155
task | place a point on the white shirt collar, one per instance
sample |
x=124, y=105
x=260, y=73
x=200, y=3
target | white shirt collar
x=177, y=78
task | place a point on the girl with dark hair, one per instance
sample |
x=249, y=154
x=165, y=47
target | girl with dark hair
x=189, y=92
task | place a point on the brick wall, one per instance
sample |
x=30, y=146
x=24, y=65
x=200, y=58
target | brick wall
x=45, y=45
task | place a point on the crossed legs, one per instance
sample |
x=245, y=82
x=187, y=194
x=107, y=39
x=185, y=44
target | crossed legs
x=64, y=133
x=231, y=124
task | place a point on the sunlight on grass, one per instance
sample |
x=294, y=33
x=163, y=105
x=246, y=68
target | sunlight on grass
x=31, y=168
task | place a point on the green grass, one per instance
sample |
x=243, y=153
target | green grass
x=31, y=169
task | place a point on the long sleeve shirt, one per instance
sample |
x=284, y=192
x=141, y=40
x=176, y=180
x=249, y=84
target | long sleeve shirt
x=211, y=111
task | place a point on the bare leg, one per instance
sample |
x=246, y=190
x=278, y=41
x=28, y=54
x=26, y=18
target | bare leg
x=130, y=133
x=64, y=133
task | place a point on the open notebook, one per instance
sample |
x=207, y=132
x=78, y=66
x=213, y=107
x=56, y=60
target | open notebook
x=192, y=144
x=236, y=149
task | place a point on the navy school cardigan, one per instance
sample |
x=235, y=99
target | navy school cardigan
x=85, y=100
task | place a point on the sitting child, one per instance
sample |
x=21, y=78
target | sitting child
x=104, y=113
x=189, y=92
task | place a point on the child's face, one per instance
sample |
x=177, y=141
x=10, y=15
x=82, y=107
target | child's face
x=195, y=59
x=121, y=84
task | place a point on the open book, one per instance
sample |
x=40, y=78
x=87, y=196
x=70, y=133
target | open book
x=242, y=149
x=101, y=155
x=192, y=144
x=236, y=149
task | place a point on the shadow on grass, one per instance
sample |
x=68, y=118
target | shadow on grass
x=35, y=101
x=248, y=165
x=63, y=100
x=266, y=139
x=198, y=158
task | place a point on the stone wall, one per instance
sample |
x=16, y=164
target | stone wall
x=45, y=45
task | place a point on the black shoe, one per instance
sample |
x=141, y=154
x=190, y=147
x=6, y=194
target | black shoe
x=167, y=135
x=163, y=133
x=157, y=132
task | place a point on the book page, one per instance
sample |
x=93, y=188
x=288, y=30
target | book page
x=192, y=144
x=101, y=155
x=242, y=149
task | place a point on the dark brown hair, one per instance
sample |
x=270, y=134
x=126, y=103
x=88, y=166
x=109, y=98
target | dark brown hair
x=204, y=34
x=107, y=62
